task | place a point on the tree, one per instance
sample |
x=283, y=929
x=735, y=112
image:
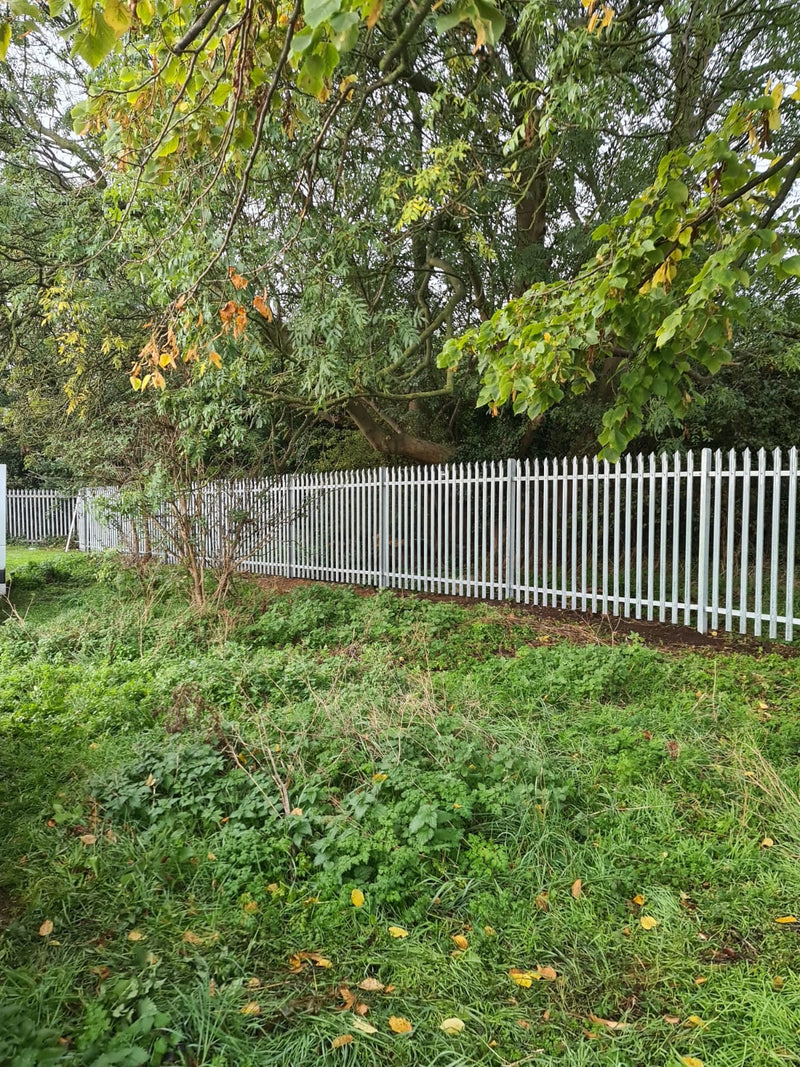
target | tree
x=386, y=179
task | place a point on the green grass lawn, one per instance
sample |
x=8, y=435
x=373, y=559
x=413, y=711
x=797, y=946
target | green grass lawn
x=579, y=851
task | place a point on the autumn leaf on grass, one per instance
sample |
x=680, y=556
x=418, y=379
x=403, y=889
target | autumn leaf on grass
x=610, y=1024
x=252, y=1007
x=691, y=1061
x=460, y=942
x=452, y=1026
x=357, y=898
x=397, y=931
x=786, y=919
x=399, y=1025
x=362, y=1025
x=648, y=922
x=46, y=928
x=297, y=960
x=341, y=1040
x=191, y=938
x=638, y=900
x=371, y=985
x=136, y=935
x=577, y=888
x=527, y=978
x=87, y=839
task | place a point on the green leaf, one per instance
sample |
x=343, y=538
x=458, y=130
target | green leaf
x=80, y=116
x=344, y=27
x=791, y=267
x=317, y=11
x=25, y=7
x=5, y=39
x=312, y=75
x=302, y=40
x=676, y=191
x=169, y=146
x=57, y=7
x=95, y=40
x=145, y=12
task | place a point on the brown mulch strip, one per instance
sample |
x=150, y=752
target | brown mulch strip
x=582, y=628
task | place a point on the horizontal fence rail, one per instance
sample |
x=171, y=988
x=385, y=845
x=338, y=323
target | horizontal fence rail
x=706, y=541
x=36, y=515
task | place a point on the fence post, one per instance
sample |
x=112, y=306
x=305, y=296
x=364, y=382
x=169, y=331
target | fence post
x=2, y=529
x=292, y=528
x=512, y=556
x=702, y=547
x=383, y=575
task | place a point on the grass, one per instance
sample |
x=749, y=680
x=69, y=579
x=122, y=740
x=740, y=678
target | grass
x=191, y=801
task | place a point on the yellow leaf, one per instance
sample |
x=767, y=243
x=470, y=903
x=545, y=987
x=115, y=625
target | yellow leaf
x=767, y=842
x=695, y=1020
x=451, y=1027
x=192, y=938
x=164, y=359
x=399, y=1025
x=210, y=856
x=150, y=781
x=522, y=978
x=490, y=931
x=648, y=922
x=357, y=898
x=87, y=839
x=460, y=941
x=274, y=888
x=252, y=1007
x=136, y=935
x=691, y=1061
x=296, y=811
x=250, y=906
x=371, y=985
x=577, y=887
x=254, y=983
x=786, y=919
x=341, y=1040
x=378, y=778
x=46, y=928
x=362, y=1025
x=777, y=982
x=215, y=359
x=346, y=84
x=398, y=931
x=546, y=973
x=542, y=901
x=700, y=980
x=374, y=13
x=638, y=899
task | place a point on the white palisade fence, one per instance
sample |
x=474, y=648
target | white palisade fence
x=706, y=541
x=38, y=514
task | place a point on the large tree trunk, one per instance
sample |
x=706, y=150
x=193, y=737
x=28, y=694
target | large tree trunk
x=395, y=442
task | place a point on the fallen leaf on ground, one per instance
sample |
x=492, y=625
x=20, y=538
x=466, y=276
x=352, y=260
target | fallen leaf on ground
x=673, y=1020
x=101, y=972
x=577, y=886
x=397, y=931
x=610, y=1024
x=192, y=938
x=695, y=1020
x=46, y=928
x=250, y=906
x=542, y=901
x=777, y=982
x=786, y=919
x=399, y=1025
x=371, y=985
x=253, y=983
x=522, y=978
x=357, y=898
x=639, y=899
x=362, y=1025
x=691, y=1061
x=87, y=839
x=524, y=1024
x=547, y=973
x=648, y=922
x=460, y=941
x=342, y=1039
x=490, y=931
x=452, y=1026
x=136, y=935
x=767, y=842
x=252, y=1007
x=297, y=959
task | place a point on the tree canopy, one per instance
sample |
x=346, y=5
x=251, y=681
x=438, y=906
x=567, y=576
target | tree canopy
x=255, y=225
